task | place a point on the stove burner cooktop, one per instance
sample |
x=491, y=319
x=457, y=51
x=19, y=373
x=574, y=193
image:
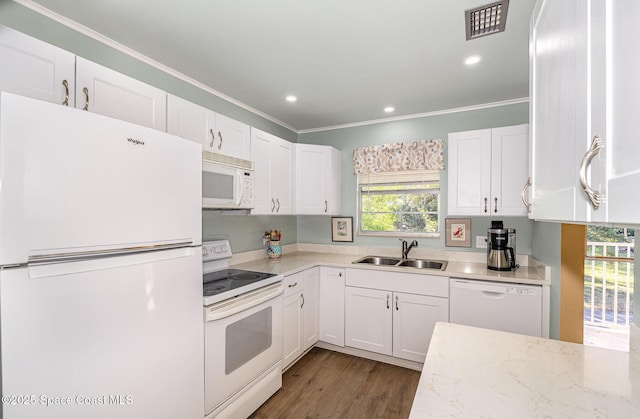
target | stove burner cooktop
x=230, y=279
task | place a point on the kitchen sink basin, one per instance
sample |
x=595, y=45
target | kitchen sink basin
x=379, y=260
x=424, y=264
x=408, y=263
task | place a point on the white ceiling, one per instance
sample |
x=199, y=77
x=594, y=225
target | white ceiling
x=345, y=60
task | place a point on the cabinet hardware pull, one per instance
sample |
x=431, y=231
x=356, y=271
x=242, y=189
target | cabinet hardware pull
x=86, y=100
x=495, y=207
x=485, y=204
x=302, y=305
x=293, y=285
x=278, y=207
x=273, y=205
x=340, y=274
x=213, y=138
x=397, y=303
x=387, y=301
x=524, y=194
x=220, y=135
x=326, y=206
x=65, y=102
x=593, y=195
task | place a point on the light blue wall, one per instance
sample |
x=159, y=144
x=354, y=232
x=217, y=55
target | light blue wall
x=316, y=229
x=546, y=247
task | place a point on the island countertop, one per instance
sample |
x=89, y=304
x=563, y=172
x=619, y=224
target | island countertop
x=471, y=372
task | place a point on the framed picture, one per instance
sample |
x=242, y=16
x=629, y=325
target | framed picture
x=342, y=229
x=458, y=232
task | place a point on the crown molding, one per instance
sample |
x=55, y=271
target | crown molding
x=147, y=60
x=419, y=115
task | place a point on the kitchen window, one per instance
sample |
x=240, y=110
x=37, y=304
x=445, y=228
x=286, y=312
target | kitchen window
x=403, y=203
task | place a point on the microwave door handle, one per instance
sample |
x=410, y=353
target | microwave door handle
x=239, y=191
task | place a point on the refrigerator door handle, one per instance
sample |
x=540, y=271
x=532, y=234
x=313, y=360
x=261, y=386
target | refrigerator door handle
x=44, y=270
x=90, y=254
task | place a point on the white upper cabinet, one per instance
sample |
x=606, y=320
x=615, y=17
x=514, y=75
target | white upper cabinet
x=217, y=133
x=318, y=179
x=488, y=170
x=36, y=69
x=273, y=165
x=233, y=138
x=107, y=92
x=584, y=90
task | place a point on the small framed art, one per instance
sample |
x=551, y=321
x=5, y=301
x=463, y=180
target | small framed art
x=342, y=229
x=458, y=232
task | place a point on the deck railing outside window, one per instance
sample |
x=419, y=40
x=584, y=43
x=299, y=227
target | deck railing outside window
x=608, y=284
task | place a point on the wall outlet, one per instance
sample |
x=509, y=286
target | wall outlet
x=481, y=242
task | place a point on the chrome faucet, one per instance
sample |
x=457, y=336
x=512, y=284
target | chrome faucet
x=406, y=248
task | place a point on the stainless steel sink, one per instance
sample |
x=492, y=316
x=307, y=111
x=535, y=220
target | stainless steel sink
x=379, y=260
x=424, y=264
x=409, y=263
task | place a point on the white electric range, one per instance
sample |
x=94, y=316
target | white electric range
x=243, y=312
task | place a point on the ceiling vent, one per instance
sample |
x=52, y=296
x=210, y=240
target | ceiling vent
x=486, y=20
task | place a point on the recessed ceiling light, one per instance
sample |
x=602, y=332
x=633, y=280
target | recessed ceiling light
x=474, y=59
x=291, y=98
x=389, y=109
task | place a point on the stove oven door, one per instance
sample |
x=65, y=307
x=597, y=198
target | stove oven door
x=243, y=339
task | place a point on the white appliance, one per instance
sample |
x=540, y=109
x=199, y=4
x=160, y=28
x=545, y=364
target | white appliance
x=515, y=308
x=100, y=260
x=227, y=182
x=243, y=335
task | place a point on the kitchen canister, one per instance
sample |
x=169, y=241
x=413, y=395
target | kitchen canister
x=274, y=250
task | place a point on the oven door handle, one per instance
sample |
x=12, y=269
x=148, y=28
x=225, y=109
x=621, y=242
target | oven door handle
x=242, y=303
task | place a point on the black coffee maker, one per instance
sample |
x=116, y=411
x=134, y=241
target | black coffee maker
x=501, y=247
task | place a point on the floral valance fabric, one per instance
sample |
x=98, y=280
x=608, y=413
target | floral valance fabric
x=424, y=154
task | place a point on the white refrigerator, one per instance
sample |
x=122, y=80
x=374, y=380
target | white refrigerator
x=100, y=267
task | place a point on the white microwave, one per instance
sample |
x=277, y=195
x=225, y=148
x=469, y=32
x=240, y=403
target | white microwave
x=227, y=185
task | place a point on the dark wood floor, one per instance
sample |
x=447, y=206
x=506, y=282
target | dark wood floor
x=326, y=384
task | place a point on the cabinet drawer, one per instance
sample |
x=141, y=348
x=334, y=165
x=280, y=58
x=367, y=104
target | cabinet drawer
x=293, y=284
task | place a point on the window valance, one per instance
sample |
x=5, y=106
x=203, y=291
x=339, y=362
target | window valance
x=424, y=154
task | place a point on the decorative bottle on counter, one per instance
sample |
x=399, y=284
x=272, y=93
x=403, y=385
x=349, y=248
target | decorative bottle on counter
x=274, y=250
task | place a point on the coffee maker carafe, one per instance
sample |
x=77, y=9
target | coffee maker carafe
x=501, y=247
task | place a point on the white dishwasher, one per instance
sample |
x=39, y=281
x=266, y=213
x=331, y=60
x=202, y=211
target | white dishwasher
x=515, y=308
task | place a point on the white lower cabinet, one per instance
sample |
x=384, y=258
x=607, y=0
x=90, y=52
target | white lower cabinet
x=331, y=301
x=392, y=313
x=300, y=314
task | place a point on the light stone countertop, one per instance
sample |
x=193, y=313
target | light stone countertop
x=472, y=373
x=296, y=261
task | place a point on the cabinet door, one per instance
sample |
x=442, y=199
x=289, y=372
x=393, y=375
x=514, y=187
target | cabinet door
x=509, y=169
x=469, y=166
x=310, y=328
x=312, y=178
x=187, y=120
x=369, y=320
x=107, y=92
x=233, y=138
x=623, y=145
x=292, y=329
x=414, y=318
x=318, y=171
x=331, y=301
x=282, y=176
x=261, y=143
x=36, y=69
x=559, y=112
